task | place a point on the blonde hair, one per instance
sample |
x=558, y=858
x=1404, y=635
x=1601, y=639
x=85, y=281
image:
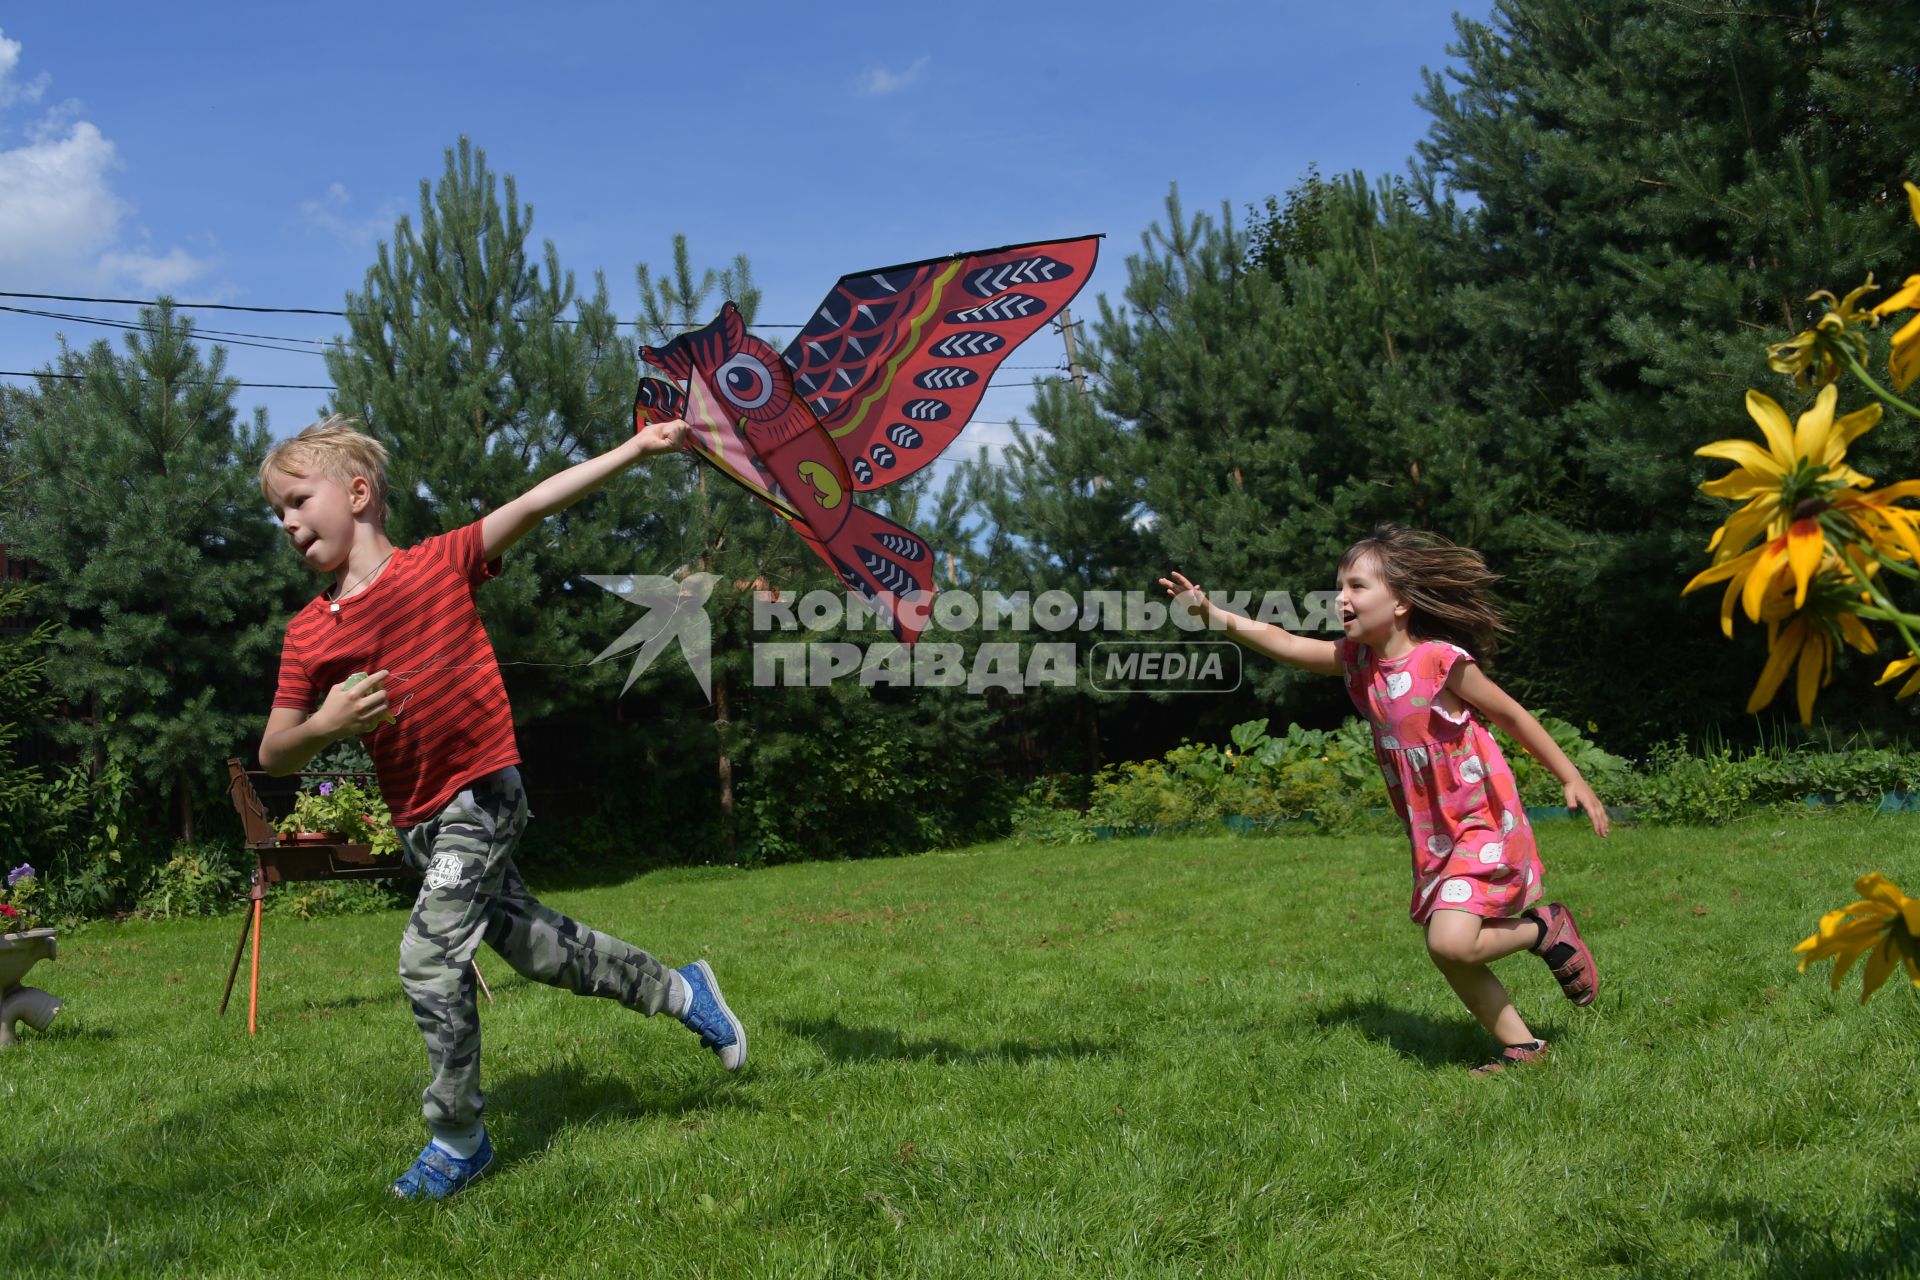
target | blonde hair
x=338, y=450
x=1447, y=587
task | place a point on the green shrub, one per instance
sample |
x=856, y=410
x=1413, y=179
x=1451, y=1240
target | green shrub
x=1684, y=789
x=313, y=900
x=198, y=880
x=1046, y=812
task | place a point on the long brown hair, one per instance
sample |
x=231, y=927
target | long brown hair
x=1446, y=587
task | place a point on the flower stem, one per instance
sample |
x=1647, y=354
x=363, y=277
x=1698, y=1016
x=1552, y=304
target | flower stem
x=1904, y=570
x=1860, y=372
x=1903, y=622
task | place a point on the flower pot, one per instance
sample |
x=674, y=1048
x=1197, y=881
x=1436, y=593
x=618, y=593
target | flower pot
x=19, y=952
x=309, y=837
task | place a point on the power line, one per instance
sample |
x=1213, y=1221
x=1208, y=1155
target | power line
x=294, y=311
x=183, y=306
x=225, y=333
x=81, y=377
x=231, y=339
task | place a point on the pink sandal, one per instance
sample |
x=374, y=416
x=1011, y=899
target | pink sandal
x=1566, y=955
x=1513, y=1055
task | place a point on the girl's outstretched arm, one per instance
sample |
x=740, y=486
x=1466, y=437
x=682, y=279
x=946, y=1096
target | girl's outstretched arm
x=1262, y=637
x=1470, y=684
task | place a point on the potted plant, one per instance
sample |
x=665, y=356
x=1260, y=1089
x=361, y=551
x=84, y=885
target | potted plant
x=341, y=812
x=24, y=942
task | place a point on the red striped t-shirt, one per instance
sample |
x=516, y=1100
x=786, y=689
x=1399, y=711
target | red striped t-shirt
x=417, y=620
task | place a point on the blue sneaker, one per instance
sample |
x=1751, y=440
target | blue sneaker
x=707, y=1014
x=438, y=1173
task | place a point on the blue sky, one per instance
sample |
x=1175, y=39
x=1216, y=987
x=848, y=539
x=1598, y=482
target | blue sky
x=257, y=154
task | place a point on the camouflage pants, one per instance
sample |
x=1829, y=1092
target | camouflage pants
x=471, y=892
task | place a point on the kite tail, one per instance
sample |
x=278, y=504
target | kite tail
x=889, y=565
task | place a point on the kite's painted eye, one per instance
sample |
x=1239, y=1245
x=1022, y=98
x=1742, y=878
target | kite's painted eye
x=745, y=381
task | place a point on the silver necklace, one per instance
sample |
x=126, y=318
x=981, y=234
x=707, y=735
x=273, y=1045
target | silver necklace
x=339, y=595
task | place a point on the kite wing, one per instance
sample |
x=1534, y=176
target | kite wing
x=894, y=361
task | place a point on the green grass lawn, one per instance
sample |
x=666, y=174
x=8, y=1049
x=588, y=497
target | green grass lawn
x=1151, y=1057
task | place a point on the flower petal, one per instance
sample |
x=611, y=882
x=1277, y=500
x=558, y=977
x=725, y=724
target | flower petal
x=1879, y=964
x=1783, y=645
x=1772, y=421
x=1772, y=557
x=1850, y=427
x=1856, y=634
x=1816, y=669
x=1897, y=668
x=1747, y=454
x=1907, y=296
x=1741, y=484
x=1903, y=362
x=1731, y=567
x=1816, y=424
x=1843, y=958
x=1806, y=547
x=1878, y=891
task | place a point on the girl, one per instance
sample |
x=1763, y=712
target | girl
x=1414, y=610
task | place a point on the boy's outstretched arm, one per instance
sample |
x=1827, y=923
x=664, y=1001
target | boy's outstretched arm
x=508, y=524
x=1262, y=637
x=1472, y=685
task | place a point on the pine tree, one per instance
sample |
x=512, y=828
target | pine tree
x=27, y=707
x=164, y=575
x=1657, y=188
x=483, y=372
x=1286, y=385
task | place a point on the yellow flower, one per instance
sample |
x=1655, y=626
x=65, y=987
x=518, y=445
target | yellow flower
x=1891, y=531
x=1809, y=635
x=1903, y=361
x=1802, y=460
x=1811, y=355
x=1797, y=553
x=1884, y=922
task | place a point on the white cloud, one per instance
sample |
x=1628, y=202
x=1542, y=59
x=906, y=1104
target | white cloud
x=154, y=274
x=329, y=214
x=59, y=206
x=11, y=90
x=61, y=221
x=880, y=81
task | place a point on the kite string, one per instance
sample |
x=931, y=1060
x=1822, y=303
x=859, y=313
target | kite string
x=410, y=672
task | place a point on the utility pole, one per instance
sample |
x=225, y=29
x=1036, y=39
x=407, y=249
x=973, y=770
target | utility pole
x=1065, y=323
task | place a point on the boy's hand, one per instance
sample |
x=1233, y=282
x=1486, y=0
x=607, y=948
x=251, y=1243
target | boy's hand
x=1581, y=796
x=660, y=437
x=357, y=705
x=1188, y=597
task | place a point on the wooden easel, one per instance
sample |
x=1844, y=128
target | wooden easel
x=279, y=859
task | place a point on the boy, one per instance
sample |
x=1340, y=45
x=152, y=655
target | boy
x=446, y=760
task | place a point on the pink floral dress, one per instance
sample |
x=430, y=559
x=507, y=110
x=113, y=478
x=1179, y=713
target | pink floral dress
x=1473, y=849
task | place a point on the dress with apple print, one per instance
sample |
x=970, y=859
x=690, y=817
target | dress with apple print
x=1473, y=849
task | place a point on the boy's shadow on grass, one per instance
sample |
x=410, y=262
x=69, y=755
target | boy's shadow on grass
x=843, y=1043
x=1432, y=1042
x=526, y=1110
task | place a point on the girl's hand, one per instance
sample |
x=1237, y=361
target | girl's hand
x=1581, y=796
x=659, y=437
x=1188, y=597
